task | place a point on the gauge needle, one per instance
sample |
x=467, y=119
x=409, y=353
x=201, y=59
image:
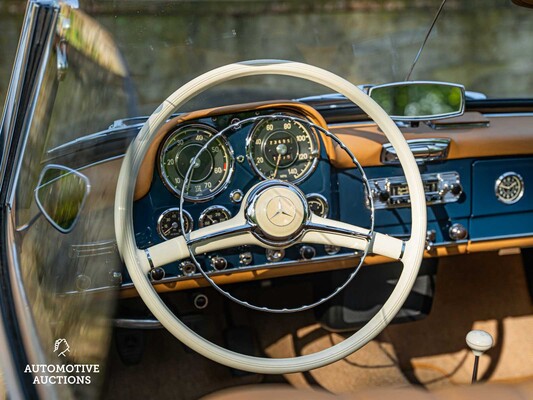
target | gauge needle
x=277, y=166
x=173, y=226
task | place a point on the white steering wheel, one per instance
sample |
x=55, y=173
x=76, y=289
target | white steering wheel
x=299, y=226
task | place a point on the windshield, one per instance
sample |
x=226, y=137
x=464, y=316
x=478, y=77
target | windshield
x=144, y=52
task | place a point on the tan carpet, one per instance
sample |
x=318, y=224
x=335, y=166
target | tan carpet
x=481, y=291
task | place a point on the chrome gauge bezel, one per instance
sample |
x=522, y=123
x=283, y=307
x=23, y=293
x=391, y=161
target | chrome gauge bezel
x=231, y=163
x=499, y=182
x=211, y=209
x=310, y=132
x=169, y=210
x=322, y=199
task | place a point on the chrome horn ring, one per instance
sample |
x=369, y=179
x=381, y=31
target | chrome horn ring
x=289, y=229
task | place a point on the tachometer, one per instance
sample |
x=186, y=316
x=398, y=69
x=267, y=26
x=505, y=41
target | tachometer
x=282, y=148
x=212, y=170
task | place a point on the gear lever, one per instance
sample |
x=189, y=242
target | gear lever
x=479, y=342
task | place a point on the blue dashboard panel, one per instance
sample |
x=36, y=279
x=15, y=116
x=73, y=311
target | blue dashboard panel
x=147, y=210
x=491, y=218
x=397, y=221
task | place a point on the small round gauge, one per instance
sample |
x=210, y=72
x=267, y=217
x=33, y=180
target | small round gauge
x=168, y=223
x=282, y=148
x=213, y=215
x=318, y=204
x=509, y=188
x=212, y=169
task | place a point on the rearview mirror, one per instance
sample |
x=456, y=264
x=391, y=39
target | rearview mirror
x=60, y=196
x=420, y=101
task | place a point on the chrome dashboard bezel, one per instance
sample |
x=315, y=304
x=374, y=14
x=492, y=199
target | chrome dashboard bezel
x=296, y=118
x=231, y=166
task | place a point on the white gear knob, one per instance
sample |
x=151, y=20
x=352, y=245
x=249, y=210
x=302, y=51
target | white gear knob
x=479, y=341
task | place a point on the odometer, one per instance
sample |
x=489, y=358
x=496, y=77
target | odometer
x=212, y=169
x=282, y=148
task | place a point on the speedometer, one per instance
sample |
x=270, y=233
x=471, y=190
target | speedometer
x=282, y=148
x=212, y=169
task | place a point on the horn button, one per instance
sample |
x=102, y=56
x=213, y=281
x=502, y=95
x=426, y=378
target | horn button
x=278, y=211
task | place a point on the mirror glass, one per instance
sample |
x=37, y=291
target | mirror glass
x=420, y=101
x=60, y=195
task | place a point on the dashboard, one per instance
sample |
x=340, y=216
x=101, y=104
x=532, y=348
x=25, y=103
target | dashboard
x=223, y=154
x=475, y=202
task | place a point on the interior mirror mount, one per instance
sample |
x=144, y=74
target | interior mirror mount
x=415, y=101
x=60, y=196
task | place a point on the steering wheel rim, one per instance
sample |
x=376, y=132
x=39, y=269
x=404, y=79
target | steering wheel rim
x=137, y=262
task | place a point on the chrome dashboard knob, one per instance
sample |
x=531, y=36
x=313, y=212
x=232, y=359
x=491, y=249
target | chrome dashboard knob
x=456, y=189
x=457, y=232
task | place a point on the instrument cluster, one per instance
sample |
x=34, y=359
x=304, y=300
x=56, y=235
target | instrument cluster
x=277, y=147
x=220, y=158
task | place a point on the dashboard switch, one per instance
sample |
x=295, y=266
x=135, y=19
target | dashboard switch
x=307, y=252
x=246, y=258
x=456, y=189
x=275, y=255
x=219, y=263
x=188, y=268
x=457, y=232
x=157, y=274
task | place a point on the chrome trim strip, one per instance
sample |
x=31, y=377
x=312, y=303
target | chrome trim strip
x=132, y=323
x=170, y=279
x=15, y=85
x=491, y=238
x=149, y=257
x=32, y=346
x=403, y=250
x=511, y=114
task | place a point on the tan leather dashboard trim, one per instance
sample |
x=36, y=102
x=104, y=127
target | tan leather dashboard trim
x=506, y=136
x=144, y=179
x=299, y=269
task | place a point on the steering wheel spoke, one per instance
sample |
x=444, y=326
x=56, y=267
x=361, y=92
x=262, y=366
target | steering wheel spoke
x=336, y=233
x=224, y=235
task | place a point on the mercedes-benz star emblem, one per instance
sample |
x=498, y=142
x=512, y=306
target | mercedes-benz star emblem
x=280, y=211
